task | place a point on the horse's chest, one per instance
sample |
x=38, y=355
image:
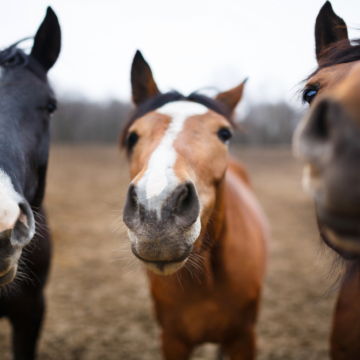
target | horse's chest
x=201, y=317
x=204, y=321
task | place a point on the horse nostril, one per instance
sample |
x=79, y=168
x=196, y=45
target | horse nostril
x=318, y=125
x=24, y=228
x=130, y=207
x=23, y=218
x=185, y=205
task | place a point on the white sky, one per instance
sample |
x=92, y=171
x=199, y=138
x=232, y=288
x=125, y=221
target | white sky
x=189, y=44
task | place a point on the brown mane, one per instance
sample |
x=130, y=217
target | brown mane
x=341, y=52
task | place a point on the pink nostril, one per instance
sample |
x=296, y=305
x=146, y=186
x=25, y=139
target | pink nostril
x=23, y=219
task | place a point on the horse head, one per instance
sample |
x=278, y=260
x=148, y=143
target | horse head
x=178, y=150
x=328, y=138
x=26, y=105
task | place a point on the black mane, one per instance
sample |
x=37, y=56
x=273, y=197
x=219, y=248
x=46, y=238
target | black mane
x=160, y=100
x=13, y=56
x=341, y=52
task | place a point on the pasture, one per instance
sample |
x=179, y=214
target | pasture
x=98, y=300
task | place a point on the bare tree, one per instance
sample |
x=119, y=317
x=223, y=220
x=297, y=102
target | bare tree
x=81, y=121
x=268, y=124
x=89, y=122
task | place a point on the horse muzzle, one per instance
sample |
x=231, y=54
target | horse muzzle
x=162, y=231
x=340, y=231
x=13, y=240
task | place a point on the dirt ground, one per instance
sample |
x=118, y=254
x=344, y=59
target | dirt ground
x=98, y=300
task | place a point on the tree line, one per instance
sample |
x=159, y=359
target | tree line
x=90, y=122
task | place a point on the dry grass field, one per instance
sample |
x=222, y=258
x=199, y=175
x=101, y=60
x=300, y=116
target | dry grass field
x=98, y=301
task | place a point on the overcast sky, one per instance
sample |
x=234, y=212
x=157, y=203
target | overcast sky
x=189, y=44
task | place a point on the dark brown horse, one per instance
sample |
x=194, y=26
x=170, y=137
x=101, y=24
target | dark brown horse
x=192, y=218
x=26, y=105
x=328, y=140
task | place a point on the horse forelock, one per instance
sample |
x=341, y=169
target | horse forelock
x=24, y=60
x=341, y=52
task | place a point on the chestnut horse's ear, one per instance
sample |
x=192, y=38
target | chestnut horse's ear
x=142, y=81
x=231, y=97
x=47, y=41
x=329, y=29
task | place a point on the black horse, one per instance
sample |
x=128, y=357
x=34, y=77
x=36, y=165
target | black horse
x=26, y=105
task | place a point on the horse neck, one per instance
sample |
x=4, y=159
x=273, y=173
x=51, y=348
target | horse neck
x=36, y=202
x=216, y=221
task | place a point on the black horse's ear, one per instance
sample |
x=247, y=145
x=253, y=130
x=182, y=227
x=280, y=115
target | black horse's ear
x=231, y=97
x=329, y=29
x=47, y=41
x=143, y=84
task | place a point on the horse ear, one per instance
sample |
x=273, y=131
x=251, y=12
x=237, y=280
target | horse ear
x=231, y=97
x=142, y=81
x=329, y=29
x=47, y=41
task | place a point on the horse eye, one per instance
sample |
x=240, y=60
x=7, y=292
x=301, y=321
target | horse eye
x=51, y=107
x=309, y=95
x=132, y=140
x=224, y=135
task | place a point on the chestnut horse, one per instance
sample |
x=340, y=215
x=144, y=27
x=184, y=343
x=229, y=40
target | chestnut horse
x=192, y=218
x=26, y=105
x=328, y=140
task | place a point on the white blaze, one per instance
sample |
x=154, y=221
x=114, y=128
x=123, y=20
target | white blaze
x=159, y=178
x=9, y=200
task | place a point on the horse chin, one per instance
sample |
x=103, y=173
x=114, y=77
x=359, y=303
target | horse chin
x=165, y=264
x=9, y=276
x=164, y=269
x=340, y=231
x=345, y=243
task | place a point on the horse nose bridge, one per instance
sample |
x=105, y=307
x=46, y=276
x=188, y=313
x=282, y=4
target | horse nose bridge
x=147, y=194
